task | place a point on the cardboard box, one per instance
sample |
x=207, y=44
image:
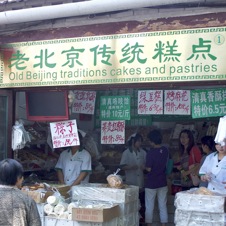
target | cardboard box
x=60, y=187
x=63, y=189
x=95, y=215
x=40, y=195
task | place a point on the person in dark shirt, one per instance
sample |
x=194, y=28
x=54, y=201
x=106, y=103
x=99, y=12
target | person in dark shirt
x=156, y=184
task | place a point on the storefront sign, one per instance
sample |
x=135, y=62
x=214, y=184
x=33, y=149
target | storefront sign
x=64, y=134
x=84, y=102
x=177, y=102
x=115, y=107
x=112, y=132
x=150, y=102
x=208, y=103
x=162, y=56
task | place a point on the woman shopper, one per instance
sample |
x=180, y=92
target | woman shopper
x=16, y=208
x=190, y=157
x=156, y=185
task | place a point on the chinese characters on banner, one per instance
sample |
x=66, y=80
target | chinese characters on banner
x=115, y=107
x=84, y=102
x=208, y=103
x=64, y=133
x=160, y=56
x=112, y=132
x=177, y=102
x=150, y=102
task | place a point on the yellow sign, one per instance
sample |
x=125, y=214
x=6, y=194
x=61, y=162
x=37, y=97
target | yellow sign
x=164, y=56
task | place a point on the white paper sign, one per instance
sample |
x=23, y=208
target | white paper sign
x=150, y=102
x=112, y=132
x=84, y=102
x=64, y=133
x=177, y=102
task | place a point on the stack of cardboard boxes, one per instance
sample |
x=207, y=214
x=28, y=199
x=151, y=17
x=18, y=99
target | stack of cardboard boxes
x=123, y=207
x=127, y=200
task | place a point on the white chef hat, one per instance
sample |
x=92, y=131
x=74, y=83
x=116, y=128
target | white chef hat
x=131, y=136
x=82, y=133
x=221, y=132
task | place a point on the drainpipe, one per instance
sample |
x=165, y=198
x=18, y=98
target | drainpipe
x=81, y=9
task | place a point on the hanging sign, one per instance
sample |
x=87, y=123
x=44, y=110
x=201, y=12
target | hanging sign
x=161, y=56
x=150, y=102
x=84, y=102
x=115, y=108
x=112, y=132
x=208, y=103
x=64, y=134
x=177, y=102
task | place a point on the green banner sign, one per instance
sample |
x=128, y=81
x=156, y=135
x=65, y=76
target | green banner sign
x=161, y=56
x=114, y=108
x=208, y=103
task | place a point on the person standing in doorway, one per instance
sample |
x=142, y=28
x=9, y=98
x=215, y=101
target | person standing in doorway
x=133, y=161
x=156, y=185
x=190, y=155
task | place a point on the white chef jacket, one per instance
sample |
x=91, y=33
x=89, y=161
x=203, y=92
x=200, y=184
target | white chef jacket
x=217, y=171
x=73, y=165
x=129, y=158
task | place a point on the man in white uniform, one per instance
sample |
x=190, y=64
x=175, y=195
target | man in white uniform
x=74, y=165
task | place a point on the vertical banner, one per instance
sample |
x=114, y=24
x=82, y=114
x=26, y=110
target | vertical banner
x=84, y=102
x=208, y=103
x=177, y=102
x=112, y=132
x=150, y=102
x=115, y=107
x=64, y=134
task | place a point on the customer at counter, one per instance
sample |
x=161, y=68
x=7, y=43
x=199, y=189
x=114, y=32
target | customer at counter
x=133, y=161
x=74, y=165
x=16, y=208
x=190, y=155
x=156, y=185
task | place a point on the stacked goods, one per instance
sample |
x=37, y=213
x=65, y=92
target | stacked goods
x=57, y=207
x=199, y=207
x=80, y=213
x=126, y=197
